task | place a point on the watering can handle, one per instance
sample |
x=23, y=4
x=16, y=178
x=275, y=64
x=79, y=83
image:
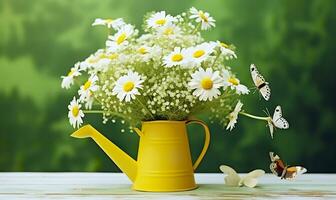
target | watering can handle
x=206, y=142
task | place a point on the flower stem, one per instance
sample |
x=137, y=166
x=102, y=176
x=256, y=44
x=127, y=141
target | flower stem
x=196, y=28
x=93, y=111
x=214, y=62
x=254, y=117
x=145, y=108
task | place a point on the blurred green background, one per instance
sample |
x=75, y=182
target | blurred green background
x=292, y=42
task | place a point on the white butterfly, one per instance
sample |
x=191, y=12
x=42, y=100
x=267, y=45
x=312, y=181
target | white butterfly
x=233, y=179
x=277, y=121
x=260, y=83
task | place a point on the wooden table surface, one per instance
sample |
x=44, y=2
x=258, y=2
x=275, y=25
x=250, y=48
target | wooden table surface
x=117, y=186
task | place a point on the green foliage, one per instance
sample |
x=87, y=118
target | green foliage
x=292, y=42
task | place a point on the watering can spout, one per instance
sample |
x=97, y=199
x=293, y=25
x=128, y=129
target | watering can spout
x=126, y=163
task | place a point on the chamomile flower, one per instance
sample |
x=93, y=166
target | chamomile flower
x=110, y=23
x=226, y=51
x=177, y=57
x=127, y=86
x=206, y=84
x=88, y=88
x=104, y=60
x=170, y=30
x=202, y=17
x=200, y=52
x=234, y=83
x=89, y=101
x=233, y=116
x=120, y=39
x=75, y=114
x=160, y=19
x=69, y=79
x=145, y=52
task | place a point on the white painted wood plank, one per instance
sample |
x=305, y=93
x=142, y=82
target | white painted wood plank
x=117, y=186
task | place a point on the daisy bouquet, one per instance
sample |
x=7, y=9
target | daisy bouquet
x=169, y=72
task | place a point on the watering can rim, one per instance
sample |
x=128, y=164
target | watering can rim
x=163, y=121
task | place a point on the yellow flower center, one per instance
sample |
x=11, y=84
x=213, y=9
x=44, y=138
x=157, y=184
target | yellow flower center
x=206, y=83
x=109, y=56
x=108, y=21
x=121, y=38
x=113, y=56
x=142, y=50
x=75, y=111
x=168, y=31
x=177, y=57
x=92, y=60
x=71, y=72
x=160, y=22
x=128, y=86
x=224, y=45
x=198, y=53
x=234, y=81
x=87, y=85
x=202, y=16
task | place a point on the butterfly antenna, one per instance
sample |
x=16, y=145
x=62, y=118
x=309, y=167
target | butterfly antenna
x=268, y=113
x=253, y=89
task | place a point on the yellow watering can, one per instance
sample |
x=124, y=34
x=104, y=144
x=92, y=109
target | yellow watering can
x=164, y=160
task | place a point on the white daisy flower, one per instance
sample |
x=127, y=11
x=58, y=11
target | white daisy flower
x=170, y=30
x=145, y=52
x=234, y=83
x=226, y=51
x=89, y=101
x=104, y=60
x=110, y=23
x=199, y=53
x=92, y=60
x=88, y=88
x=69, y=79
x=203, y=18
x=160, y=19
x=119, y=40
x=75, y=114
x=177, y=57
x=206, y=84
x=233, y=116
x=127, y=86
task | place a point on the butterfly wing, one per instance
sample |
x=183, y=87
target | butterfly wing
x=232, y=178
x=278, y=120
x=277, y=166
x=270, y=126
x=260, y=83
x=265, y=91
x=256, y=77
x=251, y=179
x=293, y=171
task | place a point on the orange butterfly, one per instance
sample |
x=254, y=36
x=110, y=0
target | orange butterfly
x=284, y=171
